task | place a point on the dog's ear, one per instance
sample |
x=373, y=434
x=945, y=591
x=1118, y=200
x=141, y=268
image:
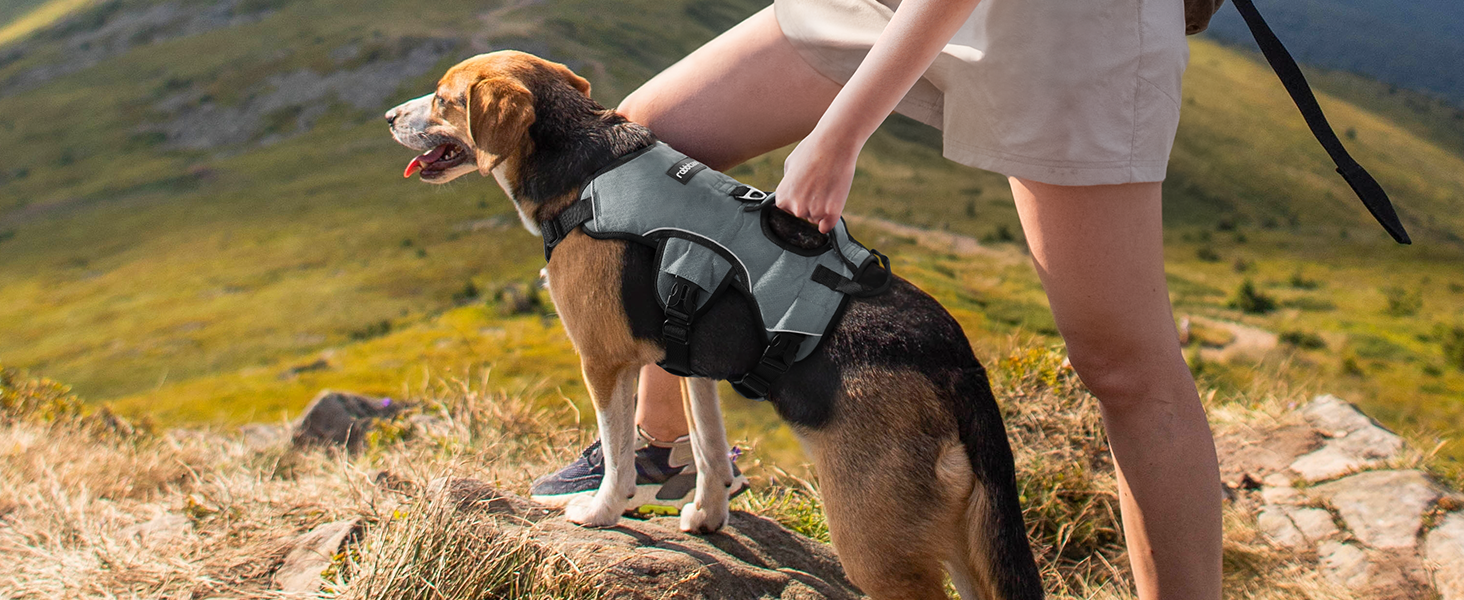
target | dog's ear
x=500, y=111
x=578, y=82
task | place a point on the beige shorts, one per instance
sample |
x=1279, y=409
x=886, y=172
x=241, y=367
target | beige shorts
x=1066, y=92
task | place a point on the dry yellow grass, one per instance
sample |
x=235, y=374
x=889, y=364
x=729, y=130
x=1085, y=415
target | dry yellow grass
x=74, y=488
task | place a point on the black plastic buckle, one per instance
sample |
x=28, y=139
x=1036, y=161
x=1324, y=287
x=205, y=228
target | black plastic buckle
x=775, y=361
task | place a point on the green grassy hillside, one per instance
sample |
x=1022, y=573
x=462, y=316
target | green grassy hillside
x=197, y=199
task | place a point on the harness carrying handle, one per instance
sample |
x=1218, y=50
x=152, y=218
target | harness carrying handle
x=1362, y=183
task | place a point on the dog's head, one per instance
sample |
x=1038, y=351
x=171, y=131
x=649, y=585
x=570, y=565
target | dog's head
x=478, y=118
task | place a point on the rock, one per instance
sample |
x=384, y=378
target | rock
x=1295, y=527
x=1263, y=452
x=1367, y=446
x=310, y=555
x=1384, y=509
x=1344, y=563
x=1277, y=525
x=1444, y=550
x=1314, y=523
x=163, y=528
x=1327, y=463
x=341, y=419
x=1282, y=495
x=1334, y=416
x=752, y=557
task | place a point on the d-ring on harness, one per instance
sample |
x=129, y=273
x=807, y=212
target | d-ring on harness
x=711, y=235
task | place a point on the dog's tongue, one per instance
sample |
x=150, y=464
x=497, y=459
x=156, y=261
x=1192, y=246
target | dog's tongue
x=424, y=160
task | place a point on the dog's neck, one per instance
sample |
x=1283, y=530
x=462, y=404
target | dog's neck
x=572, y=138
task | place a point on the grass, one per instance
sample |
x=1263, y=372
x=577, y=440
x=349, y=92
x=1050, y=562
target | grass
x=72, y=492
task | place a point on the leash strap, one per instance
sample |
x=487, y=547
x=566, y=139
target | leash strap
x=556, y=229
x=676, y=332
x=776, y=359
x=1363, y=184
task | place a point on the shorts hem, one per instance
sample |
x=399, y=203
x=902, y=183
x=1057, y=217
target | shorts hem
x=1057, y=173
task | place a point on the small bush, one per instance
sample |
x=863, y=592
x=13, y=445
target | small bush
x=1403, y=302
x=372, y=330
x=1207, y=254
x=1453, y=343
x=1252, y=301
x=1301, y=282
x=1305, y=340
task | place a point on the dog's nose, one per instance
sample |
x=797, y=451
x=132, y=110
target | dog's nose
x=391, y=117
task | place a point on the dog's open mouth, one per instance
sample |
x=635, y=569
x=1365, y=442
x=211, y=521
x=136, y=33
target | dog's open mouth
x=437, y=161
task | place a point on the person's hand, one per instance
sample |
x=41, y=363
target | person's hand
x=816, y=180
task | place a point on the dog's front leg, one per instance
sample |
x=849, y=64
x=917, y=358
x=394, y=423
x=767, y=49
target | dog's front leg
x=613, y=392
x=708, y=511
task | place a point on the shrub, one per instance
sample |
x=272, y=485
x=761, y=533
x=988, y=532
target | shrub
x=1453, y=341
x=1303, y=339
x=1403, y=302
x=1207, y=254
x=1252, y=301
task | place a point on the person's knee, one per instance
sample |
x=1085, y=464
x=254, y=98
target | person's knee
x=1127, y=375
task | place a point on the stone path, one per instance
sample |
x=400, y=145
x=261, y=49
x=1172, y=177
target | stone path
x=1324, y=485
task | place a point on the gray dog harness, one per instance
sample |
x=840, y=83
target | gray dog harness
x=711, y=234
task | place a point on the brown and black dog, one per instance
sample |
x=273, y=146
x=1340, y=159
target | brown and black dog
x=894, y=408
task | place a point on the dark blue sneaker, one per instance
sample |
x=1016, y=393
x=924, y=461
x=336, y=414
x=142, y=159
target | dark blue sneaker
x=665, y=479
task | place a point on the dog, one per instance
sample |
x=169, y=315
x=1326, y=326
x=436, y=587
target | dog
x=897, y=414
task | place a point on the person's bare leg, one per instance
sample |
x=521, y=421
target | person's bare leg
x=1099, y=252
x=741, y=95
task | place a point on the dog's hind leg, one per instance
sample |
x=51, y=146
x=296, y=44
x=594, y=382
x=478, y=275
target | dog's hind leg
x=613, y=392
x=708, y=511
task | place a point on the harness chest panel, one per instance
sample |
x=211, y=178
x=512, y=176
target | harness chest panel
x=712, y=234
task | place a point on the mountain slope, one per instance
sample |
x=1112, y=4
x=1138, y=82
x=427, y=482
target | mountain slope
x=197, y=197
x=1413, y=44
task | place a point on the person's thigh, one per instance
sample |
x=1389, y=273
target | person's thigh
x=1100, y=253
x=740, y=95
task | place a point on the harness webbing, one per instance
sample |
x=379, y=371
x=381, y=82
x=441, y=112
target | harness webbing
x=1363, y=184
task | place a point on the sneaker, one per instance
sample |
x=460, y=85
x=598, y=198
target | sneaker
x=665, y=479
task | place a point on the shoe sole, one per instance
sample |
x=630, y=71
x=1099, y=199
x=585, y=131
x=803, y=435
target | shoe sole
x=645, y=501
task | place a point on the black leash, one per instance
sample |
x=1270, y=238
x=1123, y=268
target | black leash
x=1363, y=184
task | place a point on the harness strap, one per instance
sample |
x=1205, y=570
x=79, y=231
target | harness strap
x=676, y=332
x=776, y=359
x=839, y=283
x=1363, y=184
x=558, y=228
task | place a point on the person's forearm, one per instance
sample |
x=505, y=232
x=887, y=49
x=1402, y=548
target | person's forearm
x=915, y=35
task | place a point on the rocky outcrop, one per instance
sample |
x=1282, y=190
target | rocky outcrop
x=752, y=557
x=1323, y=485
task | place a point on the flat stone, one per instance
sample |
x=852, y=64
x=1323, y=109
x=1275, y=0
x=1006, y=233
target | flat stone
x=1334, y=416
x=310, y=555
x=1328, y=463
x=1444, y=550
x=1282, y=495
x=1345, y=564
x=1315, y=523
x=1262, y=452
x=1384, y=509
x=1275, y=523
x=163, y=528
x=1371, y=442
x=1279, y=479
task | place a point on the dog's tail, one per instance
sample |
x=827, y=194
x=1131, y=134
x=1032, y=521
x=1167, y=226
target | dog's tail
x=994, y=561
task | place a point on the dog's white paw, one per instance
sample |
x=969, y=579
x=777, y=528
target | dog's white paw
x=591, y=512
x=698, y=519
